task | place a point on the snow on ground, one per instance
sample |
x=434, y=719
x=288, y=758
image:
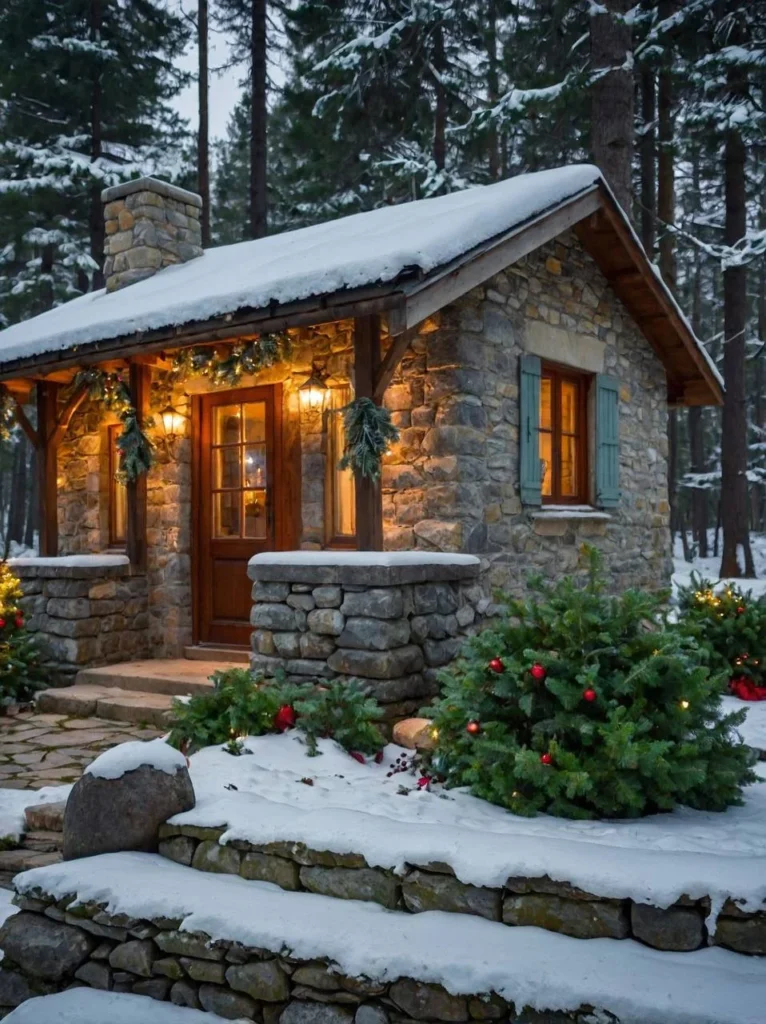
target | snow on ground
x=14, y=801
x=753, y=730
x=351, y=252
x=528, y=966
x=88, y=1006
x=709, y=568
x=126, y=757
x=354, y=808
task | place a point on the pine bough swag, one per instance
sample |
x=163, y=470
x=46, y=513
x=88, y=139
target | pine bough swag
x=369, y=433
x=229, y=368
x=649, y=735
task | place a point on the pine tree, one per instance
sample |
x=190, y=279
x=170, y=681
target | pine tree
x=582, y=705
x=84, y=86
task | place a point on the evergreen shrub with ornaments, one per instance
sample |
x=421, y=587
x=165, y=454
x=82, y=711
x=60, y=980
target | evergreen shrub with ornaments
x=582, y=705
x=731, y=626
x=241, y=704
x=20, y=671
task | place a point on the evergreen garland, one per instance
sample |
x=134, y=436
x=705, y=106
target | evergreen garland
x=114, y=394
x=7, y=413
x=369, y=432
x=228, y=369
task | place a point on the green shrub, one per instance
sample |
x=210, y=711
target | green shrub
x=729, y=624
x=583, y=706
x=241, y=704
x=20, y=670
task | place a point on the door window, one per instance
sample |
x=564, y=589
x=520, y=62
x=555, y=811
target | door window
x=240, y=482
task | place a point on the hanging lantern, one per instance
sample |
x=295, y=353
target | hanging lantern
x=314, y=389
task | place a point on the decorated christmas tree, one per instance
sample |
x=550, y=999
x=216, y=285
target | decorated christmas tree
x=20, y=672
x=583, y=705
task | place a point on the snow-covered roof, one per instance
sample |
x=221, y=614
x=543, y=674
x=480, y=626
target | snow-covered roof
x=352, y=252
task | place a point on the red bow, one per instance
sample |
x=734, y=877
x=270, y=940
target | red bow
x=746, y=689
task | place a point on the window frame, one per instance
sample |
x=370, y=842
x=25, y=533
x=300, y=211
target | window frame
x=342, y=394
x=113, y=432
x=558, y=374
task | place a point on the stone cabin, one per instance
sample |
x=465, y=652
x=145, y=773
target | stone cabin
x=520, y=338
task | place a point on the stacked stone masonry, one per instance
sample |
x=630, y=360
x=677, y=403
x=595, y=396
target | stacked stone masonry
x=451, y=482
x=393, y=633
x=49, y=947
x=538, y=902
x=84, y=615
x=149, y=225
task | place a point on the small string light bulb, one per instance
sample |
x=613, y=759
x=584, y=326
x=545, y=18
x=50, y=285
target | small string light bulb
x=683, y=704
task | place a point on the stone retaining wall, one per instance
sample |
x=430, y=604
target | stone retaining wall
x=49, y=948
x=390, y=620
x=86, y=611
x=539, y=902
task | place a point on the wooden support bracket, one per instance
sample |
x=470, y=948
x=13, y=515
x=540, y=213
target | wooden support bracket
x=390, y=363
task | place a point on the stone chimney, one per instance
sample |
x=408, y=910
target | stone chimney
x=149, y=225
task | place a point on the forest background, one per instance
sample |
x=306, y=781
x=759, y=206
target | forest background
x=348, y=105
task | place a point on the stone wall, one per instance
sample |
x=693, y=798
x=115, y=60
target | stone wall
x=387, y=621
x=451, y=483
x=84, y=611
x=539, y=902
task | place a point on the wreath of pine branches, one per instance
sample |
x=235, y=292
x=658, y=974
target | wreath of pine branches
x=369, y=434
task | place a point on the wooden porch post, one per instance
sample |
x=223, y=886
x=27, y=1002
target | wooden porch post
x=369, y=506
x=135, y=543
x=47, y=466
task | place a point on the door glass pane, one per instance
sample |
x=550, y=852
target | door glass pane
x=255, y=514
x=545, y=460
x=568, y=407
x=568, y=466
x=226, y=467
x=255, y=421
x=226, y=514
x=255, y=465
x=226, y=424
x=546, y=387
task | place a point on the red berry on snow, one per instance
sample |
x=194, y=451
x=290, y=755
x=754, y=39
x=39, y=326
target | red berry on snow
x=497, y=665
x=589, y=695
x=546, y=759
x=285, y=718
x=379, y=757
x=357, y=756
x=473, y=727
x=537, y=671
x=423, y=782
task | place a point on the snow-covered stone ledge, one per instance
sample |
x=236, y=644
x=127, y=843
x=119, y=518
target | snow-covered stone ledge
x=86, y=610
x=389, y=619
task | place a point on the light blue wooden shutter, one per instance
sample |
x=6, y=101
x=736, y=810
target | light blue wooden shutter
x=607, y=442
x=529, y=440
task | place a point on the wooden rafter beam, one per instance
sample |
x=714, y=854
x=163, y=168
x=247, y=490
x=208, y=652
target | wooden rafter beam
x=390, y=363
x=23, y=422
x=66, y=414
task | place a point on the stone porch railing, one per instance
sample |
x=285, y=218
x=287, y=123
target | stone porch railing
x=389, y=619
x=86, y=610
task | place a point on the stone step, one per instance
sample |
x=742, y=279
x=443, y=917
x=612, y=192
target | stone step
x=42, y=842
x=14, y=861
x=238, y=655
x=45, y=817
x=225, y=942
x=172, y=676
x=114, y=703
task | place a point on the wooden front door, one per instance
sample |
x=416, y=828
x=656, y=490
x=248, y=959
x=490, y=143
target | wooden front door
x=238, y=437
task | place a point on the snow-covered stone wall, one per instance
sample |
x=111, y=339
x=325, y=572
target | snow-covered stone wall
x=390, y=621
x=452, y=482
x=85, y=611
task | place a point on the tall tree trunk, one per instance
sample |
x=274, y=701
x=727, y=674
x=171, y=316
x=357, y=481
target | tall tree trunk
x=647, y=151
x=493, y=89
x=440, y=102
x=258, y=119
x=696, y=436
x=734, y=488
x=17, y=510
x=203, y=134
x=96, y=217
x=612, y=102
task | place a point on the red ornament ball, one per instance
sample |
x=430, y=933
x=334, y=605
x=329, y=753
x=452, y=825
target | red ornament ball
x=424, y=782
x=537, y=671
x=546, y=759
x=2, y=623
x=740, y=610
x=285, y=718
x=473, y=728
x=19, y=621
x=589, y=695
x=497, y=665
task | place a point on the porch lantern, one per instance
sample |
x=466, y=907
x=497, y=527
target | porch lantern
x=314, y=389
x=172, y=421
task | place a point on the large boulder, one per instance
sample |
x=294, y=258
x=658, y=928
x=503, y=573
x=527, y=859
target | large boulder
x=43, y=948
x=123, y=798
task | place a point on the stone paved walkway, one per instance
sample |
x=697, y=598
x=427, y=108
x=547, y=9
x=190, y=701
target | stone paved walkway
x=47, y=750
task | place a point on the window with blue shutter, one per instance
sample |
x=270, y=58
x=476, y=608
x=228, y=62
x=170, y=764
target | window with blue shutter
x=607, y=442
x=530, y=477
